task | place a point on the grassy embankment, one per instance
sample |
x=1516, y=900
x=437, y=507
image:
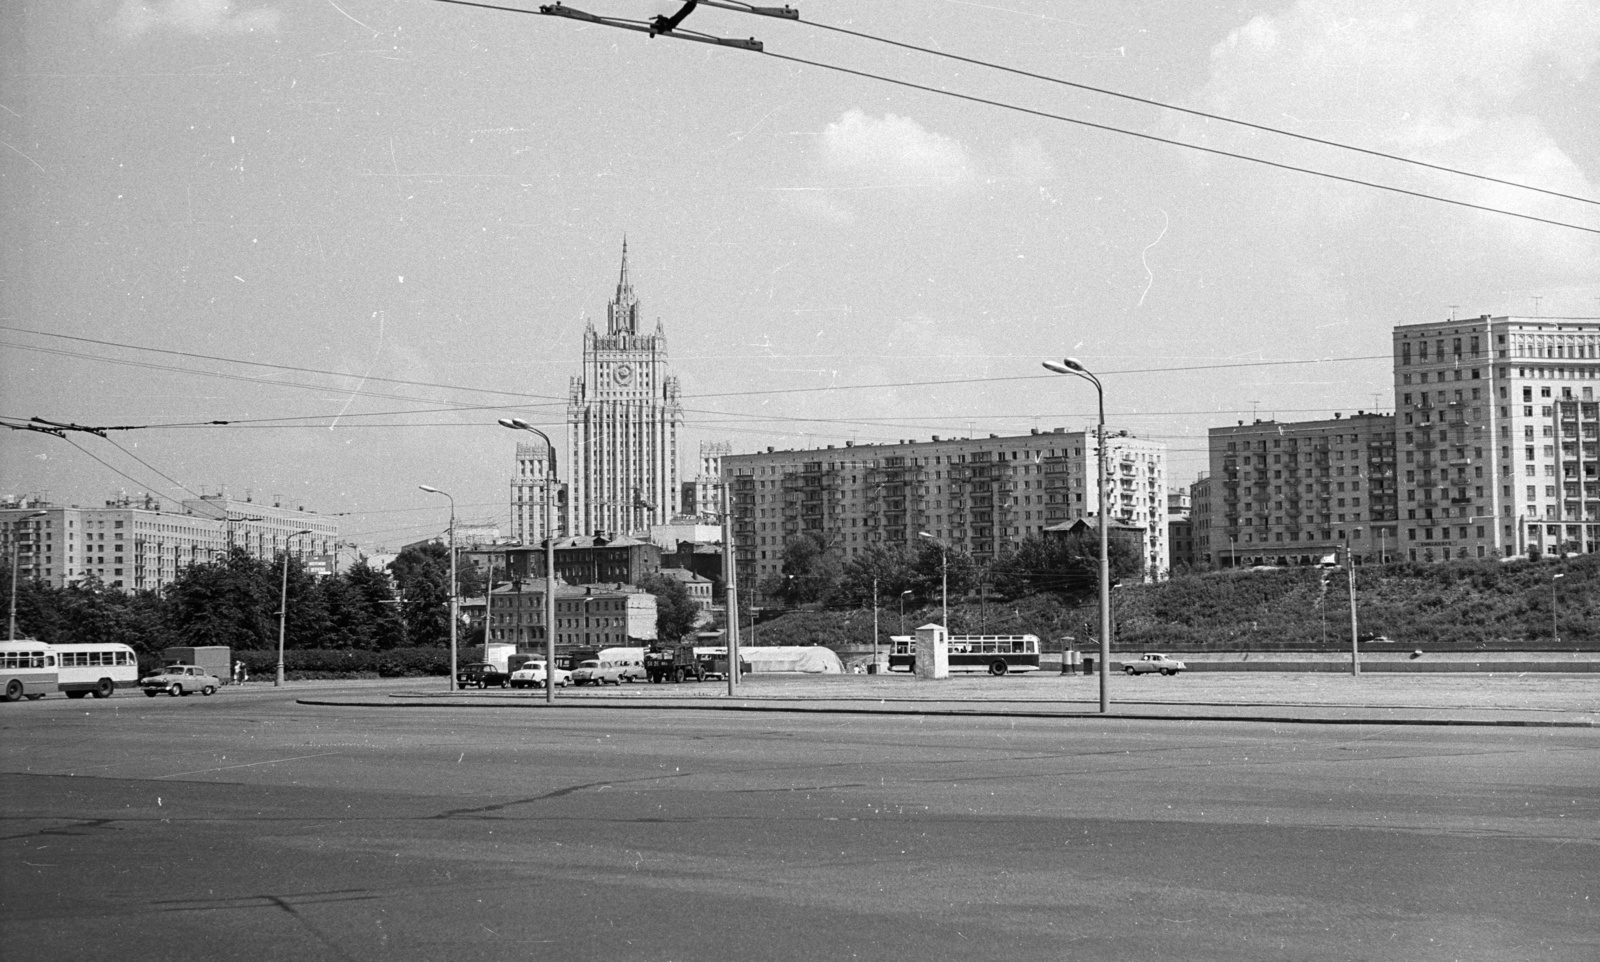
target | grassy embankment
x=1460, y=605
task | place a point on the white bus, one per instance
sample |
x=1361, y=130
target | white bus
x=995, y=654
x=96, y=670
x=27, y=667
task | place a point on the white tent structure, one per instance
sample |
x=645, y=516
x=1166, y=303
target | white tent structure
x=812, y=659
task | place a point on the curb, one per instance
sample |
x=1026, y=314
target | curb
x=986, y=713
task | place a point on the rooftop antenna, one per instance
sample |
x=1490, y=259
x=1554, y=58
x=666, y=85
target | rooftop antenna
x=1453, y=311
x=1536, y=300
x=1255, y=410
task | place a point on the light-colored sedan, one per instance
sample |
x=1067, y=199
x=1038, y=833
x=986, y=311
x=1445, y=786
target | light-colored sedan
x=178, y=680
x=595, y=672
x=1153, y=663
x=531, y=675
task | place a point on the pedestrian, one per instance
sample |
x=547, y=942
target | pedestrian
x=238, y=672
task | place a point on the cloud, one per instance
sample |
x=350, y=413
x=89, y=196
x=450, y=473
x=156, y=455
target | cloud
x=135, y=18
x=895, y=151
x=862, y=160
x=1452, y=82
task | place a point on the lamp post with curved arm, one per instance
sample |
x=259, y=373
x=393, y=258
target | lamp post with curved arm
x=944, y=573
x=453, y=601
x=283, y=604
x=518, y=424
x=1075, y=368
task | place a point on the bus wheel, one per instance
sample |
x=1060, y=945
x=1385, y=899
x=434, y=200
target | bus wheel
x=104, y=688
x=13, y=690
x=998, y=668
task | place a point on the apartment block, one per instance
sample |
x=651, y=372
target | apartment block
x=133, y=544
x=1498, y=432
x=533, y=481
x=1294, y=493
x=982, y=494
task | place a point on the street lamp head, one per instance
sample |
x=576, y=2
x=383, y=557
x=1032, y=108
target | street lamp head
x=430, y=490
x=1558, y=574
x=1068, y=365
x=924, y=534
x=515, y=424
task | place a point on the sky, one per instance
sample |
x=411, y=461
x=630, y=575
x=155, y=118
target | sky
x=362, y=231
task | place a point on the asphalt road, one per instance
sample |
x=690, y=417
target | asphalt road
x=247, y=826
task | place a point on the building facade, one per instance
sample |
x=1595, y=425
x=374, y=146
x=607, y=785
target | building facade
x=983, y=495
x=132, y=544
x=623, y=419
x=533, y=478
x=1296, y=493
x=702, y=496
x=597, y=617
x=1498, y=436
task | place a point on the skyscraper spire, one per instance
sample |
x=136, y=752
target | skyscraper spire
x=622, y=314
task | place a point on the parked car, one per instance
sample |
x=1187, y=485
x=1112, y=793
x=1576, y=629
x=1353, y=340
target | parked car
x=178, y=680
x=531, y=675
x=1153, y=662
x=595, y=672
x=481, y=674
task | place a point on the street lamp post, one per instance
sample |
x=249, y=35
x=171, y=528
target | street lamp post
x=283, y=604
x=1073, y=367
x=903, y=610
x=518, y=424
x=874, y=624
x=453, y=600
x=1556, y=626
x=1355, y=644
x=16, y=559
x=944, y=574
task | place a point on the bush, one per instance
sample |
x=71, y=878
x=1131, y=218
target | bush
x=321, y=664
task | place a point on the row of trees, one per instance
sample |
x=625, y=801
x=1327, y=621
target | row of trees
x=235, y=602
x=1063, y=567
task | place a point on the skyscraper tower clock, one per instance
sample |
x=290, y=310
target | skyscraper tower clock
x=623, y=419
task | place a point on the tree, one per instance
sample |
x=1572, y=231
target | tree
x=233, y=602
x=422, y=573
x=1062, y=566
x=676, y=612
x=371, y=596
x=893, y=566
x=929, y=566
x=810, y=571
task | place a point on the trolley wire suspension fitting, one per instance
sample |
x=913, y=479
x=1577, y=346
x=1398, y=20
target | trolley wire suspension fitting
x=664, y=26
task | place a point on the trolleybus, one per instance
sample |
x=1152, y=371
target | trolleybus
x=96, y=670
x=28, y=668
x=995, y=654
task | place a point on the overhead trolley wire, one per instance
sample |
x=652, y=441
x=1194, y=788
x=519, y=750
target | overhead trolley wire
x=1134, y=98
x=1422, y=195
x=786, y=13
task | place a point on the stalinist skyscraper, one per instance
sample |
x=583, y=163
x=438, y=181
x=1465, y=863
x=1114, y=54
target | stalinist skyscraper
x=623, y=418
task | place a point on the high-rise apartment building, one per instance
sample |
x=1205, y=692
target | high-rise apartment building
x=528, y=490
x=1498, y=432
x=982, y=494
x=702, y=496
x=623, y=418
x=1283, y=494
